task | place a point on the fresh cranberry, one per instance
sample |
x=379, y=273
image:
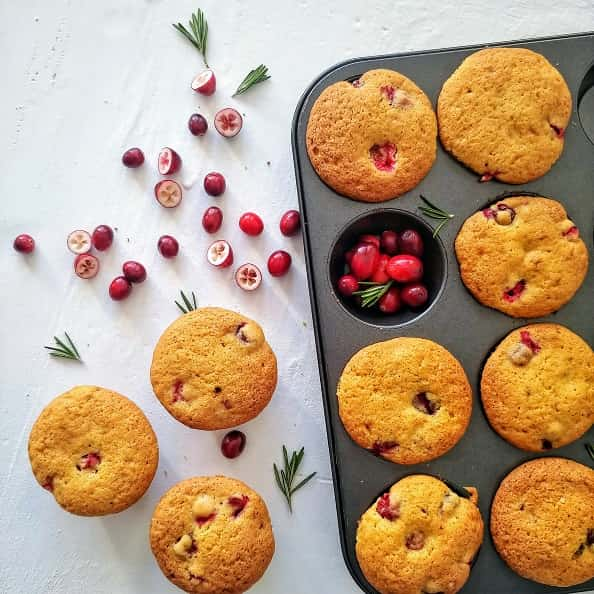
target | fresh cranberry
x=365, y=260
x=290, y=223
x=414, y=295
x=386, y=509
x=349, y=256
x=197, y=124
x=168, y=246
x=251, y=224
x=380, y=275
x=410, y=242
x=405, y=268
x=389, y=242
x=372, y=239
x=347, y=285
x=383, y=156
x=24, y=243
x=279, y=263
x=212, y=219
x=120, y=288
x=133, y=157
x=102, y=237
x=390, y=301
x=214, y=183
x=134, y=271
x=233, y=444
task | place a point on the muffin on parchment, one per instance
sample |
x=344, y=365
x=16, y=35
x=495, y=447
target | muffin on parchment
x=372, y=139
x=522, y=256
x=420, y=536
x=542, y=521
x=212, y=535
x=407, y=399
x=503, y=113
x=537, y=387
x=213, y=369
x=94, y=450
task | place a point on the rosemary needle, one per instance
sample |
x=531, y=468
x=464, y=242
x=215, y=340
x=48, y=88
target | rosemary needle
x=373, y=293
x=63, y=350
x=435, y=212
x=253, y=77
x=198, y=34
x=286, y=476
x=188, y=305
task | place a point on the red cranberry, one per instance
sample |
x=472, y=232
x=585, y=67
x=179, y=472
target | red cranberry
x=389, y=242
x=424, y=404
x=349, y=256
x=384, y=156
x=133, y=157
x=24, y=243
x=410, y=242
x=383, y=447
x=168, y=246
x=197, y=124
x=372, y=239
x=347, y=285
x=233, y=444
x=380, y=275
x=279, y=263
x=386, y=509
x=390, y=301
x=205, y=83
x=405, y=268
x=214, y=183
x=364, y=261
x=527, y=340
x=120, y=288
x=414, y=295
x=290, y=223
x=212, y=219
x=251, y=224
x=510, y=295
x=102, y=237
x=135, y=272
x=238, y=502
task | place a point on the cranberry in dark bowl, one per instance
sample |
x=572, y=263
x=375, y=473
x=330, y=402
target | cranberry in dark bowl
x=368, y=254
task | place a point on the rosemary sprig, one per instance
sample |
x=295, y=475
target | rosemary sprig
x=63, y=350
x=253, y=77
x=188, y=305
x=434, y=212
x=285, y=477
x=457, y=489
x=198, y=33
x=373, y=293
x=590, y=449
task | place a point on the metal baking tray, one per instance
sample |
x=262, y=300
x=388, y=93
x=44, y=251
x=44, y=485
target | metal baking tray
x=455, y=320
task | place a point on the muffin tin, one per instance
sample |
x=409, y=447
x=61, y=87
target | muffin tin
x=453, y=318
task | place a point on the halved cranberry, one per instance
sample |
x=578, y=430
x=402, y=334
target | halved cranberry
x=228, y=122
x=511, y=295
x=389, y=242
x=380, y=274
x=178, y=391
x=383, y=447
x=290, y=223
x=414, y=295
x=347, y=285
x=423, y=403
x=415, y=541
x=384, y=156
x=410, y=242
x=102, y=237
x=238, y=503
x=365, y=260
x=404, y=268
x=528, y=341
x=205, y=83
x=220, y=254
x=212, y=219
x=386, y=509
x=233, y=444
x=248, y=277
x=169, y=161
x=168, y=193
x=24, y=243
x=79, y=242
x=389, y=302
x=86, y=266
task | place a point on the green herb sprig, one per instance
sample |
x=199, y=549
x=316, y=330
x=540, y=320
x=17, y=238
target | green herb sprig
x=434, y=212
x=253, y=77
x=459, y=490
x=372, y=293
x=285, y=477
x=63, y=350
x=188, y=305
x=590, y=449
x=198, y=33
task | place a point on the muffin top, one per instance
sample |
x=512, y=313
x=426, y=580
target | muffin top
x=406, y=399
x=537, y=387
x=420, y=536
x=542, y=521
x=213, y=369
x=372, y=139
x=522, y=256
x=94, y=450
x=503, y=113
x=211, y=535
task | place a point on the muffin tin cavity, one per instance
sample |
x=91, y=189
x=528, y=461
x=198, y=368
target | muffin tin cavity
x=375, y=222
x=585, y=102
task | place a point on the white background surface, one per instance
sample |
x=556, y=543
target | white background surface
x=82, y=81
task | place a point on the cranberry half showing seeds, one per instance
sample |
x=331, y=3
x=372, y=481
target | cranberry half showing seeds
x=228, y=122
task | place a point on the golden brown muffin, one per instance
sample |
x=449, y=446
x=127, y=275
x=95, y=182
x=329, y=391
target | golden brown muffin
x=373, y=139
x=537, y=387
x=94, y=450
x=213, y=369
x=503, y=113
x=212, y=535
x=419, y=537
x=522, y=256
x=406, y=399
x=542, y=521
